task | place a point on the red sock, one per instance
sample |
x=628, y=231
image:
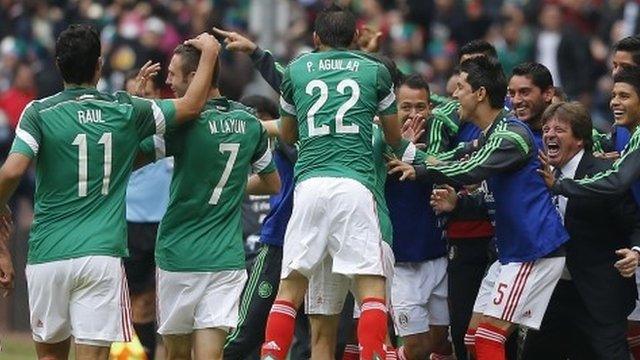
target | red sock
x=372, y=329
x=470, y=342
x=392, y=354
x=401, y=354
x=351, y=352
x=490, y=342
x=279, y=332
x=633, y=338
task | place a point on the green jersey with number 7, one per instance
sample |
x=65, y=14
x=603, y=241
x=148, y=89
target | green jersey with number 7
x=84, y=143
x=202, y=228
x=335, y=95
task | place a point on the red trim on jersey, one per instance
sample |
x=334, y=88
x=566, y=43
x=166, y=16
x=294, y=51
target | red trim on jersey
x=466, y=229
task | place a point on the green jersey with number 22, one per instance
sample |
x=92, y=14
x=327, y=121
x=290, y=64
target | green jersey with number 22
x=335, y=95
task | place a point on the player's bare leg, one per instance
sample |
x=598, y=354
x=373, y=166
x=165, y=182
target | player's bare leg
x=491, y=336
x=143, y=313
x=54, y=351
x=178, y=347
x=324, y=336
x=91, y=352
x=372, y=327
x=419, y=346
x=208, y=344
x=281, y=321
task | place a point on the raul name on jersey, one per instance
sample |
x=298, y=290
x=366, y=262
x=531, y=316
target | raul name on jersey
x=90, y=116
x=334, y=64
x=226, y=126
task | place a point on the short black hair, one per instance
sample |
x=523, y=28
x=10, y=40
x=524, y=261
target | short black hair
x=630, y=44
x=486, y=72
x=479, y=47
x=262, y=104
x=538, y=73
x=417, y=82
x=629, y=75
x=191, y=57
x=336, y=27
x=77, y=54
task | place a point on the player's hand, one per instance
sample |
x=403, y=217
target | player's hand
x=545, y=169
x=369, y=39
x=432, y=161
x=236, y=42
x=148, y=71
x=443, y=199
x=413, y=128
x=205, y=42
x=613, y=155
x=628, y=263
x=6, y=265
x=405, y=170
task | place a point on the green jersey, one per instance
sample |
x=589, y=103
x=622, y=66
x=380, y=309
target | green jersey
x=202, y=228
x=84, y=143
x=379, y=148
x=335, y=95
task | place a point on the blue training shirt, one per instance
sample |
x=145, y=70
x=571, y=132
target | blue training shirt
x=148, y=192
x=275, y=223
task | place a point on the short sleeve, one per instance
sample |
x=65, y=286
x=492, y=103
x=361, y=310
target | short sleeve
x=287, y=106
x=28, y=133
x=154, y=147
x=262, y=160
x=385, y=91
x=153, y=117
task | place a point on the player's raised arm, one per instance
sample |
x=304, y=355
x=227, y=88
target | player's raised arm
x=188, y=106
x=263, y=60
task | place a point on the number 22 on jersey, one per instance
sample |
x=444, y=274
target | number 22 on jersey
x=83, y=162
x=341, y=128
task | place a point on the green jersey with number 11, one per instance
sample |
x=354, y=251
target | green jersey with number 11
x=202, y=228
x=335, y=95
x=84, y=143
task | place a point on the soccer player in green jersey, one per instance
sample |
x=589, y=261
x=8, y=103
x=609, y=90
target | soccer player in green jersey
x=83, y=143
x=328, y=100
x=199, y=249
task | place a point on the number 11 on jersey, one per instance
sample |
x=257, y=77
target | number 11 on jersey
x=83, y=162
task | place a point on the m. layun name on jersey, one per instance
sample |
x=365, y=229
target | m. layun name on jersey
x=226, y=126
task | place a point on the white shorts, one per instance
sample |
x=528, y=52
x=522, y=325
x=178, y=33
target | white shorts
x=420, y=296
x=334, y=216
x=327, y=290
x=86, y=297
x=635, y=314
x=486, y=288
x=189, y=301
x=522, y=291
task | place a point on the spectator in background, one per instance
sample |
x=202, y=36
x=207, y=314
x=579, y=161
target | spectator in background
x=21, y=92
x=561, y=48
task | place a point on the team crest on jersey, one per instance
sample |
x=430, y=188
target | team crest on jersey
x=265, y=289
x=403, y=320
